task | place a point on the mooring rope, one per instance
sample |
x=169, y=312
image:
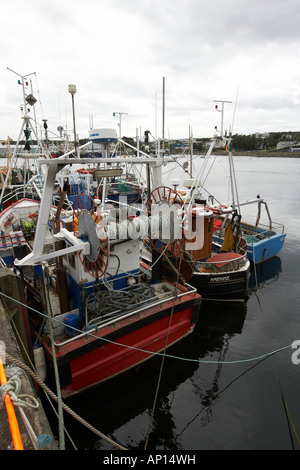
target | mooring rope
x=66, y=407
x=199, y=361
x=12, y=388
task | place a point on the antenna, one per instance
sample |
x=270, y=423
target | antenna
x=237, y=92
x=28, y=99
x=163, y=115
x=221, y=111
x=120, y=121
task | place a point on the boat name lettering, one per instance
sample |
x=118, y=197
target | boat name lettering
x=220, y=279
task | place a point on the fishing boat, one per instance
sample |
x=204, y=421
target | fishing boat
x=17, y=228
x=264, y=241
x=261, y=241
x=220, y=272
x=17, y=223
x=93, y=307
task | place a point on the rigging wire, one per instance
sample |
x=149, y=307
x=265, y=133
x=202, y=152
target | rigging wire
x=233, y=118
x=38, y=92
x=202, y=185
x=238, y=361
x=214, y=396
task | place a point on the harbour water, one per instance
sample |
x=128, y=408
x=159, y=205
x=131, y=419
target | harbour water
x=220, y=388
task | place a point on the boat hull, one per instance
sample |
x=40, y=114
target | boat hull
x=261, y=245
x=223, y=286
x=260, y=251
x=97, y=356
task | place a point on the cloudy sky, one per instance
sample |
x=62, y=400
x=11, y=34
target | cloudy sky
x=117, y=52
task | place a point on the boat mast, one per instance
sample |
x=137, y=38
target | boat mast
x=72, y=91
x=163, y=117
x=233, y=179
x=27, y=100
x=191, y=149
x=228, y=142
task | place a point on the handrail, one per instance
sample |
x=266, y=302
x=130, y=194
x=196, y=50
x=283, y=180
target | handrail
x=227, y=264
x=19, y=189
x=263, y=229
x=123, y=315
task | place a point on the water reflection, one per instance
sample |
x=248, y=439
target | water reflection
x=218, y=322
x=265, y=273
x=122, y=407
x=192, y=407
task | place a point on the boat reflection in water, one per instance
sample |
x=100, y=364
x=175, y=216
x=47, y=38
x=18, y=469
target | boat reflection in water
x=125, y=404
x=189, y=391
x=261, y=275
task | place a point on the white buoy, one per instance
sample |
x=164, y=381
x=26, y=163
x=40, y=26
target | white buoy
x=39, y=361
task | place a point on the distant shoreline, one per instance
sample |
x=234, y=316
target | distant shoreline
x=249, y=153
x=262, y=154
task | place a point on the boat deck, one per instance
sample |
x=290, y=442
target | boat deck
x=105, y=307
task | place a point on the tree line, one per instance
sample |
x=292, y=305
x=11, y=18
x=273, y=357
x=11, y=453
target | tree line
x=267, y=141
x=241, y=142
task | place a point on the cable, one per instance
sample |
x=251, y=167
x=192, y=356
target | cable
x=239, y=361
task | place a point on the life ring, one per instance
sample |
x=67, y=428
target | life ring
x=221, y=209
x=206, y=212
x=83, y=171
x=217, y=224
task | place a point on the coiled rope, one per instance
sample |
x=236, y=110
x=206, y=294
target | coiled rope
x=103, y=302
x=66, y=407
x=12, y=388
